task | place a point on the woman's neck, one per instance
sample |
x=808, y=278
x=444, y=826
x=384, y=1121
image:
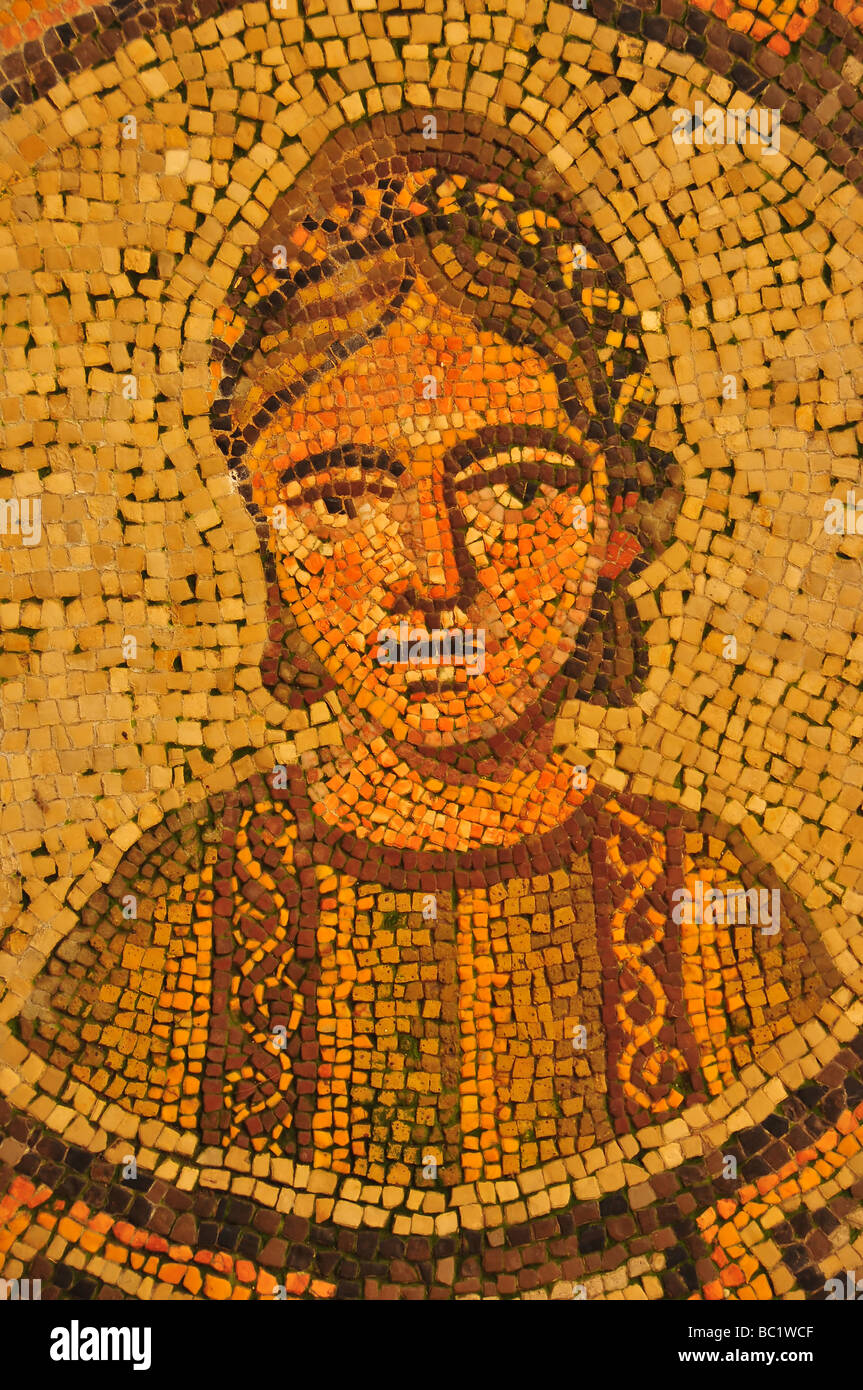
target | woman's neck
x=376, y=794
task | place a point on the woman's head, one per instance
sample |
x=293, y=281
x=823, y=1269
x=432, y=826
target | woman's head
x=430, y=384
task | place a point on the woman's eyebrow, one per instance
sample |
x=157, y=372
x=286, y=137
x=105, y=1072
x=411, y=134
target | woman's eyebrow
x=343, y=456
x=488, y=443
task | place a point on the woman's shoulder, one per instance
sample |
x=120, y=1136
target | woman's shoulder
x=259, y=811
x=116, y=957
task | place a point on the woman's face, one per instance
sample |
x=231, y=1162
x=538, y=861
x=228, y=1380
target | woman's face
x=415, y=509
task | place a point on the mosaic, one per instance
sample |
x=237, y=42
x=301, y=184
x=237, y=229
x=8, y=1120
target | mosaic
x=431, y=651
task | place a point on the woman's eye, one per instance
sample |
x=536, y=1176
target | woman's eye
x=332, y=507
x=336, y=506
x=520, y=492
x=339, y=499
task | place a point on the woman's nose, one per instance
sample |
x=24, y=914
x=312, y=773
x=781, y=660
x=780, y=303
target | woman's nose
x=430, y=542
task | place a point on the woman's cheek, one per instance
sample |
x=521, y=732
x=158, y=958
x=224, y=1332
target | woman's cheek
x=564, y=566
x=543, y=554
x=354, y=573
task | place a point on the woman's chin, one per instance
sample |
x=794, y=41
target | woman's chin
x=442, y=713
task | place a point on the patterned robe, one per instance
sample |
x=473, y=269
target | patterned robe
x=476, y=1027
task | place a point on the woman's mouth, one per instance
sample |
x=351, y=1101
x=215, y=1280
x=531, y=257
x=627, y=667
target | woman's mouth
x=448, y=681
x=433, y=650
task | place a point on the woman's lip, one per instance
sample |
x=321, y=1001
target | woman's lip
x=432, y=685
x=492, y=645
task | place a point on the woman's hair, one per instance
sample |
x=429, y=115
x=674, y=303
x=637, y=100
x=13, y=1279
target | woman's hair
x=495, y=232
